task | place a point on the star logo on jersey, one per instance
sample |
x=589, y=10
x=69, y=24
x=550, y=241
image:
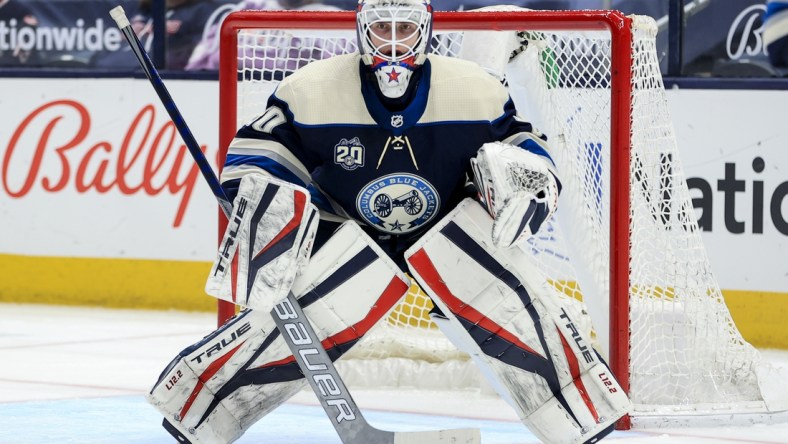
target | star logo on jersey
x=396, y=226
x=398, y=203
x=393, y=76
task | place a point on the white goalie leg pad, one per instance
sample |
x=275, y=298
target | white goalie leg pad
x=352, y=280
x=216, y=389
x=266, y=244
x=505, y=314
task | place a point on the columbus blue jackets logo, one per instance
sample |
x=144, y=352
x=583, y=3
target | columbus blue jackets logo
x=349, y=154
x=398, y=203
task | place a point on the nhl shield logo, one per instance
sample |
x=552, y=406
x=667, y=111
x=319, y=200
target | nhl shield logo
x=397, y=120
x=398, y=203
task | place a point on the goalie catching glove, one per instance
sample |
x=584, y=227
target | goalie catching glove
x=267, y=242
x=519, y=189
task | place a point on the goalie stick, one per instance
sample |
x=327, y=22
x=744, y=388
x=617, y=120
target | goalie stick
x=319, y=370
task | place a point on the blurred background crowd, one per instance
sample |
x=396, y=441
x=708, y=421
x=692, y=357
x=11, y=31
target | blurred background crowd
x=720, y=38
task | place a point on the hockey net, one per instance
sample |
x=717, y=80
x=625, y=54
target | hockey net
x=624, y=248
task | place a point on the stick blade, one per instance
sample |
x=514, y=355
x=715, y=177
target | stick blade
x=452, y=436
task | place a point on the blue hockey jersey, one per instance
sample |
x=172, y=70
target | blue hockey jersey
x=395, y=172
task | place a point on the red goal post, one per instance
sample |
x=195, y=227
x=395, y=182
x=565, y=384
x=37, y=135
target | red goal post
x=643, y=256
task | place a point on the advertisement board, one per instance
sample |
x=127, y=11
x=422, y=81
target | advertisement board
x=734, y=147
x=99, y=199
x=101, y=158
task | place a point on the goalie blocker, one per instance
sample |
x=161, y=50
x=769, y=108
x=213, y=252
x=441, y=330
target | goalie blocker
x=267, y=243
x=506, y=315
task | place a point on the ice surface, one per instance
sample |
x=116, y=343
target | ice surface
x=78, y=375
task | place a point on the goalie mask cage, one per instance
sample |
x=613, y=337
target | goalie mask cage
x=624, y=246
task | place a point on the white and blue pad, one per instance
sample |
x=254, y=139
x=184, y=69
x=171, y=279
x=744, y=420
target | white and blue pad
x=267, y=242
x=497, y=307
x=216, y=389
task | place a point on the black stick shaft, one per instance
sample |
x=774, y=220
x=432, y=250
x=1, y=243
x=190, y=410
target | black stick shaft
x=177, y=118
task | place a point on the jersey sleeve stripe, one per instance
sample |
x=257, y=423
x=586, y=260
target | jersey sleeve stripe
x=235, y=166
x=271, y=149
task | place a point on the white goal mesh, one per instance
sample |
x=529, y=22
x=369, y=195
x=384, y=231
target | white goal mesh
x=671, y=338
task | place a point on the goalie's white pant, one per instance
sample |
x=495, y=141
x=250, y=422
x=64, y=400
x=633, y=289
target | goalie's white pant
x=507, y=317
x=216, y=389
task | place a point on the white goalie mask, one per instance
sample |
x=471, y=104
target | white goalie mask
x=393, y=37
